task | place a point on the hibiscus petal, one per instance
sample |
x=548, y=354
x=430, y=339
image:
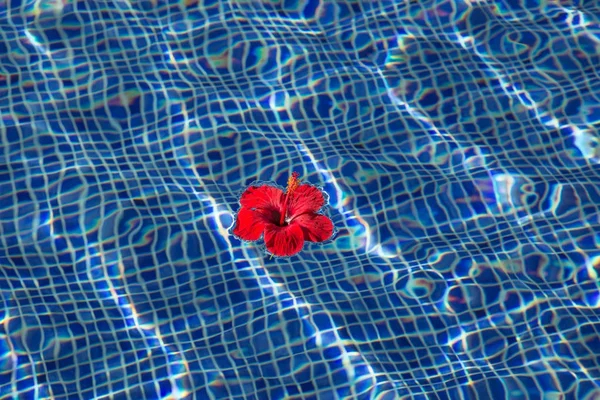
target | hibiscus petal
x=315, y=227
x=249, y=225
x=284, y=241
x=262, y=197
x=305, y=199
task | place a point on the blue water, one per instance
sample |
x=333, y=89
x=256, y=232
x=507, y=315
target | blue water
x=458, y=144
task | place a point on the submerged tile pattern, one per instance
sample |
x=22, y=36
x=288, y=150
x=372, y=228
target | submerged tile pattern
x=458, y=142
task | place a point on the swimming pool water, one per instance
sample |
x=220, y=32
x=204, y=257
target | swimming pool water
x=457, y=142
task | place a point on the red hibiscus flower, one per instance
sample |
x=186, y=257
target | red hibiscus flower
x=286, y=219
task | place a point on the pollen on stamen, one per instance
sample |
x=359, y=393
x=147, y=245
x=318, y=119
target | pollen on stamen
x=293, y=183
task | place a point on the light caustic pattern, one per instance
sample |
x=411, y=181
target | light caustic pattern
x=458, y=142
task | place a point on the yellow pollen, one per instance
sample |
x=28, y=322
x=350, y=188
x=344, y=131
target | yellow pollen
x=293, y=183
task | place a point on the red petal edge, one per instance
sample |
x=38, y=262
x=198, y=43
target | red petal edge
x=284, y=241
x=315, y=227
x=305, y=199
x=264, y=196
x=248, y=226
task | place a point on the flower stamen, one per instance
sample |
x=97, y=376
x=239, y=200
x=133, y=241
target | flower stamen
x=292, y=184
